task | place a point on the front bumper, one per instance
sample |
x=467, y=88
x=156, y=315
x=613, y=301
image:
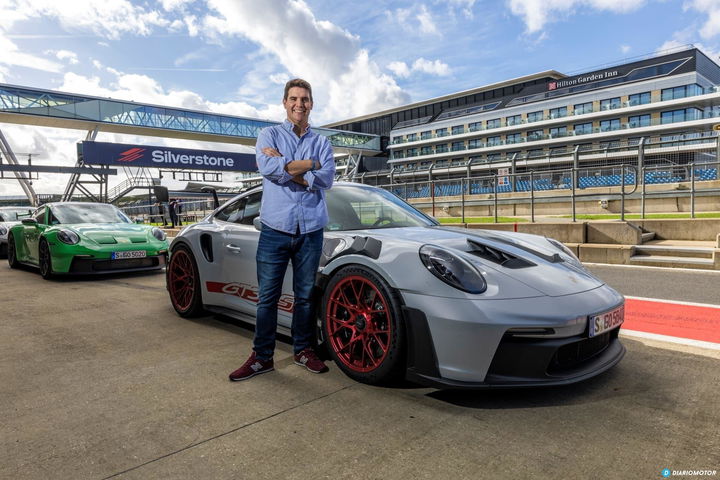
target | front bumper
x=87, y=265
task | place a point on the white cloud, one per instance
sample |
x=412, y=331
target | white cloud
x=537, y=13
x=431, y=67
x=279, y=78
x=71, y=57
x=97, y=64
x=14, y=57
x=712, y=9
x=107, y=18
x=465, y=5
x=345, y=81
x=412, y=22
x=174, y=4
x=625, y=48
x=427, y=25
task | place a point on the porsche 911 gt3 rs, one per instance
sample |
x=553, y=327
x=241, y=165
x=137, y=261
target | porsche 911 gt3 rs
x=400, y=295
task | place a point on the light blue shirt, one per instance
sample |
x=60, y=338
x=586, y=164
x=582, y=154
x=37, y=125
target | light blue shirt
x=286, y=205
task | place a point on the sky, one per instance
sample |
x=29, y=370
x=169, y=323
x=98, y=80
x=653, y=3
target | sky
x=234, y=56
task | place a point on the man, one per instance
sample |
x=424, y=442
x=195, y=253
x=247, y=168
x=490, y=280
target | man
x=297, y=166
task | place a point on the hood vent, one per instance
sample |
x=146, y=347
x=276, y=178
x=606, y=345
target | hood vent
x=498, y=256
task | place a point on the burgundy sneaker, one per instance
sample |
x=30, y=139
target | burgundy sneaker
x=253, y=366
x=309, y=359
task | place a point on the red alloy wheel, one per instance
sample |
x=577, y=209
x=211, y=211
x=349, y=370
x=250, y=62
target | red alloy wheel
x=359, y=326
x=181, y=280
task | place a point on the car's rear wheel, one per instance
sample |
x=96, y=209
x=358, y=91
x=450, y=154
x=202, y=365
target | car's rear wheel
x=45, y=260
x=362, y=326
x=183, y=282
x=12, y=252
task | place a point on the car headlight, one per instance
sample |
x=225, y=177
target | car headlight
x=68, y=236
x=570, y=257
x=3, y=230
x=159, y=234
x=452, y=269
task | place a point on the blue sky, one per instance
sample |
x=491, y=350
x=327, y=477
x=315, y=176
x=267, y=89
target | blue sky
x=233, y=56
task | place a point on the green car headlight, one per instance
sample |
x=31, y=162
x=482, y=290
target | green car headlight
x=452, y=269
x=159, y=234
x=68, y=236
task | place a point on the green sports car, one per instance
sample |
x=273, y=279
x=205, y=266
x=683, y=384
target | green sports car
x=85, y=238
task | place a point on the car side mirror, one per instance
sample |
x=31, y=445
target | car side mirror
x=29, y=221
x=257, y=223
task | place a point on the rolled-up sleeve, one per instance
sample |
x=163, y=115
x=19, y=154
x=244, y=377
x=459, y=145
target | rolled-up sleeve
x=322, y=178
x=272, y=168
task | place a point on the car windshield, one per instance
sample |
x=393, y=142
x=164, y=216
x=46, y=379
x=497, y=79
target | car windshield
x=11, y=214
x=357, y=208
x=87, y=213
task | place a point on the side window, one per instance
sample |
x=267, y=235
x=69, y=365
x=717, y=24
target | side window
x=39, y=215
x=243, y=211
x=232, y=211
x=53, y=219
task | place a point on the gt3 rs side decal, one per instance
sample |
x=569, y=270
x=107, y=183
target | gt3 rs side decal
x=249, y=293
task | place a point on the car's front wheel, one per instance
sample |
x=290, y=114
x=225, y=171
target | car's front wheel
x=12, y=252
x=362, y=326
x=183, y=283
x=45, y=260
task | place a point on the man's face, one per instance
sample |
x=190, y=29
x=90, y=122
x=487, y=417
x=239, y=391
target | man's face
x=298, y=105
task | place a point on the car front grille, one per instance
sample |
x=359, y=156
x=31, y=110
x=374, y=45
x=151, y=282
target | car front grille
x=89, y=265
x=571, y=355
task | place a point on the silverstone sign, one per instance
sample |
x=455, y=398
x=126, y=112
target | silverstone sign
x=103, y=153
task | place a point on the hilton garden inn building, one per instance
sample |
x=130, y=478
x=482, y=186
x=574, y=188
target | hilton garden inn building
x=664, y=107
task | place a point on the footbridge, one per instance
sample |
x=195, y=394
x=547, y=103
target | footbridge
x=49, y=108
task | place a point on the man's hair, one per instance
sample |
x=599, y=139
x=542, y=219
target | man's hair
x=297, y=82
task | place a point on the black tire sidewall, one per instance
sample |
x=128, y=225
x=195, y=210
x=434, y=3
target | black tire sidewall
x=394, y=363
x=196, y=306
x=46, y=274
x=12, y=252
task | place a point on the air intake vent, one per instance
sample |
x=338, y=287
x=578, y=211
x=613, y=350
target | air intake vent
x=498, y=256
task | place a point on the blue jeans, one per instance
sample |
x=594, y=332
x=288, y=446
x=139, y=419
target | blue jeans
x=275, y=250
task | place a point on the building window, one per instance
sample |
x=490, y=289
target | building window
x=512, y=138
x=412, y=137
x=558, y=112
x=610, y=103
x=535, y=116
x=512, y=120
x=584, y=146
x=557, y=132
x=425, y=151
x=456, y=146
x=535, y=135
x=441, y=132
x=494, y=123
x=412, y=152
x=441, y=163
x=682, y=115
x=492, y=141
x=583, y=128
x=425, y=135
x=681, y=92
x=609, y=125
x=457, y=129
x=399, y=154
x=536, y=153
x=633, y=140
x=441, y=148
x=639, y=99
x=609, y=145
x=493, y=157
x=639, y=121
x=581, y=108
x=475, y=143
x=458, y=162
x=475, y=126
x=558, y=151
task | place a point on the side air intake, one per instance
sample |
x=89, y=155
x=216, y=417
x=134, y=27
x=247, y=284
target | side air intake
x=498, y=256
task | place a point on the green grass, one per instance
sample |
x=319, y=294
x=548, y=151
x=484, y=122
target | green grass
x=636, y=216
x=452, y=220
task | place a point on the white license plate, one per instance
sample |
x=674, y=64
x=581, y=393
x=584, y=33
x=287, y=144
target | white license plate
x=129, y=254
x=606, y=321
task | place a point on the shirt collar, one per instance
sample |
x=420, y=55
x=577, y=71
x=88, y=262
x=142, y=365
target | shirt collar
x=288, y=125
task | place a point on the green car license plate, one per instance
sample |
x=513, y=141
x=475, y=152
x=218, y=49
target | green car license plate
x=129, y=254
x=606, y=321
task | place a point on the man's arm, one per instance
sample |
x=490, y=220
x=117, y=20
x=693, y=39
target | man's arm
x=322, y=178
x=272, y=166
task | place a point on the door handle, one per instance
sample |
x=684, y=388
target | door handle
x=233, y=248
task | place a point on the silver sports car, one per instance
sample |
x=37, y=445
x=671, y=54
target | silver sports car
x=400, y=295
x=8, y=218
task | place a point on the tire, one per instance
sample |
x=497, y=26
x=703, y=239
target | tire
x=12, y=252
x=362, y=326
x=183, y=283
x=45, y=260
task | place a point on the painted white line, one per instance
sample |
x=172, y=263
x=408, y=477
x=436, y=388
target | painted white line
x=678, y=302
x=644, y=267
x=669, y=339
